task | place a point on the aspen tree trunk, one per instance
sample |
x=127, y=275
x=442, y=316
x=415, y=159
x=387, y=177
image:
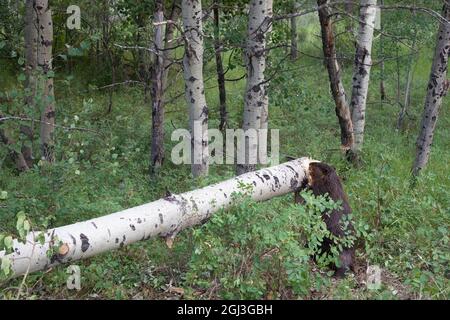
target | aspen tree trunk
x=219, y=68
x=195, y=92
x=437, y=88
x=157, y=78
x=294, y=35
x=264, y=126
x=31, y=42
x=44, y=59
x=361, y=73
x=159, y=74
x=255, y=99
x=334, y=73
x=162, y=218
x=382, y=86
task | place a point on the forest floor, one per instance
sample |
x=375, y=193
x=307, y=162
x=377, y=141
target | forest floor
x=407, y=229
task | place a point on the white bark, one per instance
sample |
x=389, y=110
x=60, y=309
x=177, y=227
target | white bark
x=437, y=88
x=165, y=218
x=45, y=43
x=255, y=99
x=195, y=92
x=361, y=73
x=263, y=133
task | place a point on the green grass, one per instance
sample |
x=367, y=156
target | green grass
x=411, y=243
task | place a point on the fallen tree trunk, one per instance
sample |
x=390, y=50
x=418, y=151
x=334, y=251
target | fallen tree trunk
x=165, y=218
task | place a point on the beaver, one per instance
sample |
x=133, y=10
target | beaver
x=323, y=179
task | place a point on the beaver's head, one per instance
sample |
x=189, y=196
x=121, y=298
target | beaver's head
x=319, y=172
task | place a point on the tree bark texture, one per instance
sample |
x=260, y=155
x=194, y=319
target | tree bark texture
x=334, y=72
x=361, y=72
x=157, y=79
x=195, y=92
x=44, y=60
x=437, y=88
x=255, y=99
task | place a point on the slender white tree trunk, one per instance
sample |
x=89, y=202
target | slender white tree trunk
x=361, y=73
x=195, y=92
x=437, y=88
x=264, y=126
x=45, y=42
x=163, y=218
x=255, y=99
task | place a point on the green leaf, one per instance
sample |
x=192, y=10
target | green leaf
x=3, y=195
x=75, y=52
x=85, y=44
x=8, y=241
x=26, y=226
x=6, y=266
x=41, y=238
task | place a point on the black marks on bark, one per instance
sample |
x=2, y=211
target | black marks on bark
x=289, y=167
x=277, y=182
x=124, y=238
x=132, y=227
x=161, y=218
x=95, y=226
x=260, y=178
x=74, y=241
x=84, y=242
x=50, y=114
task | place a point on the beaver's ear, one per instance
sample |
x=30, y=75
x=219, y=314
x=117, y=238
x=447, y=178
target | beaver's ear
x=322, y=170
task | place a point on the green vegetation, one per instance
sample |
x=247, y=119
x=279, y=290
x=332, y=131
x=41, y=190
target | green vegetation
x=254, y=250
x=106, y=172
